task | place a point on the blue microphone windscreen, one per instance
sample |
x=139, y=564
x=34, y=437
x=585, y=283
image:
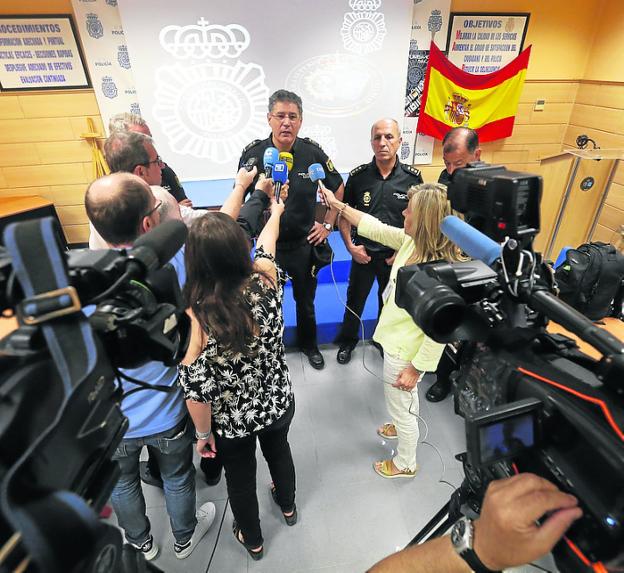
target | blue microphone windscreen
x=316, y=172
x=271, y=155
x=280, y=172
x=474, y=243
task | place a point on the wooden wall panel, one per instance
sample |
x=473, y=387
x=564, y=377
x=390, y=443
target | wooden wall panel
x=77, y=233
x=30, y=130
x=10, y=107
x=598, y=117
x=72, y=215
x=609, y=95
x=14, y=154
x=611, y=217
x=61, y=105
x=563, y=92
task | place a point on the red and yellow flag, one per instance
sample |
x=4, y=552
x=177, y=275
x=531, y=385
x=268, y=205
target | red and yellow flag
x=486, y=103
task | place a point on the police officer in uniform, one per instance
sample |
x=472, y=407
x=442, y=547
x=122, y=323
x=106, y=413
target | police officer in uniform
x=299, y=230
x=380, y=189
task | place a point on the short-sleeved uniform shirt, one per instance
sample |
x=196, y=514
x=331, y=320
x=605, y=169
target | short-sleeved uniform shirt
x=385, y=199
x=171, y=183
x=299, y=215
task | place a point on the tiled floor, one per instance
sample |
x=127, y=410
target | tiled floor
x=349, y=517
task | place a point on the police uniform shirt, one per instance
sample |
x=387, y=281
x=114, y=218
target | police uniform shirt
x=171, y=183
x=299, y=215
x=385, y=199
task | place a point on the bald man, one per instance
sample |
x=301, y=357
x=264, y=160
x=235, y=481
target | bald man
x=378, y=188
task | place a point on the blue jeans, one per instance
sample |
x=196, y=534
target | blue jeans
x=173, y=450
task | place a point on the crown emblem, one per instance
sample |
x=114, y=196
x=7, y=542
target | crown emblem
x=457, y=109
x=204, y=40
x=361, y=5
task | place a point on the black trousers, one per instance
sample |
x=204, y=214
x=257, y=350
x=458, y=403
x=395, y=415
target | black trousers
x=361, y=280
x=239, y=459
x=296, y=260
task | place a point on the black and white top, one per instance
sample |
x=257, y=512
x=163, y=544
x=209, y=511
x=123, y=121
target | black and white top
x=250, y=391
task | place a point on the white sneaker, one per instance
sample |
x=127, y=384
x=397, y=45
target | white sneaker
x=149, y=549
x=205, y=516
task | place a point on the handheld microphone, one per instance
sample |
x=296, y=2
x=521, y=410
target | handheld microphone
x=316, y=173
x=152, y=250
x=288, y=159
x=474, y=243
x=271, y=155
x=280, y=176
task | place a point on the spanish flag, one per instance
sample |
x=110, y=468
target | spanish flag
x=486, y=103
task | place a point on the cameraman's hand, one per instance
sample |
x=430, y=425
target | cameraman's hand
x=507, y=534
x=407, y=379
x=207, y=448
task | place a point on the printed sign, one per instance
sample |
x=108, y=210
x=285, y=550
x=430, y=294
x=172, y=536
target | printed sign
x=40, y=53
x=484, y=43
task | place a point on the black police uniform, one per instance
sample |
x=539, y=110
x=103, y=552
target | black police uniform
x=385, y=199
x=171, y=183
x=294, y=253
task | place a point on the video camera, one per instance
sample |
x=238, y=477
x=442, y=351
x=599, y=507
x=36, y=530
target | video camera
x=531, y=400
x=60, y=415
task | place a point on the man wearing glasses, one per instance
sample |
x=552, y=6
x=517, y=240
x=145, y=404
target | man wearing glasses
x=299, y=230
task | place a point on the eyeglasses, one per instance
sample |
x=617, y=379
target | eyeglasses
x=153, y=209
x=282, y=116
x=157, y=160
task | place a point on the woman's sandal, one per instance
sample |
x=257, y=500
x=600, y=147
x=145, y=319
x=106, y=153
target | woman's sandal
x=289, y=519
x=255, y=554
x=384, y=431
x=385, y=469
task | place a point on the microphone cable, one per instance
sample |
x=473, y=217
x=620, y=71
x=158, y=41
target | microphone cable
x=375, y=375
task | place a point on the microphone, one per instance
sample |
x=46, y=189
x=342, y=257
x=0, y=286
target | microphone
x=468, y=239
x=271, y=155
x=152, y=250
x=316, y=173
x=280, y=176
x=287, y=158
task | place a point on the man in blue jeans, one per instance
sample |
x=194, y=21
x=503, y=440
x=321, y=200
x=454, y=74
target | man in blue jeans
x=121, y=207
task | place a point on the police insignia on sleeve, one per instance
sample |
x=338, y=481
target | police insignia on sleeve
x=330, y=165
x=252, y=144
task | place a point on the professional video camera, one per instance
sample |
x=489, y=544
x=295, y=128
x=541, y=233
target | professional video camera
x=60, y=416
x=532, y=401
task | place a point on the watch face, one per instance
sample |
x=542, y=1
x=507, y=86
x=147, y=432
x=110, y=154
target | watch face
x=457, y=534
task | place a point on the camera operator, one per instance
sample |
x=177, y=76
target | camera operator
x=506, y=534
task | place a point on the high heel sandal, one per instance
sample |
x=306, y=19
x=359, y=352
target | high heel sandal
x=289, y=519
x=255, y=555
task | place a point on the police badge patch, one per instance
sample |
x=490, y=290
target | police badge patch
x=330, y=165
x=94, y=26
x=366, y=198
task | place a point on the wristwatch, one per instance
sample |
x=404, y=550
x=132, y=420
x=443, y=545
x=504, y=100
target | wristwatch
x=327, y=226
x=462, y=538
x=203, y=435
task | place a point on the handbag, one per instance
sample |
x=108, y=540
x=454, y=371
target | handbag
x=322, y=255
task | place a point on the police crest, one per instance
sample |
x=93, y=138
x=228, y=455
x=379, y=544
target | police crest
x=135, y=108
x=94, y=26
x=109, y=89
x=111, y=2
x=366, y=198
x=123, y=58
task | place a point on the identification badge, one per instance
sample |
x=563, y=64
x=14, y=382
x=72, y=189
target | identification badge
x=385, y=295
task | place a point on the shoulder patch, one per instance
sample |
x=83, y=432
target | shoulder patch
x=252, y=144
x=358, y=169
x=411, y=170
x=308, y=140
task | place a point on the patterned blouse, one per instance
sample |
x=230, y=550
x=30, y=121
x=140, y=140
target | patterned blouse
x=250, y=391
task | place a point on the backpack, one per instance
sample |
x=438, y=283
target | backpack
x=590, y=279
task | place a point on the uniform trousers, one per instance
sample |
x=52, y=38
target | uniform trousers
x=361, y=278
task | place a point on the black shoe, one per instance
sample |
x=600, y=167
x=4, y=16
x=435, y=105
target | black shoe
x=148, y=477
x=255, y=555
x=344, y=353
x=438, y=391
x=289, y=519
x=378, y=347
x=315, y=358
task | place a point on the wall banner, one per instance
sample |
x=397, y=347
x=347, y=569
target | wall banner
x=40, y=53
x=104, y=42
x=430, y=20
x=484, y=43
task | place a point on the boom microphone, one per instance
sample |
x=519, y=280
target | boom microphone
x=280, y=176
x=288, y=159
x=271, y=155
x=152, y=250
x=468, y=239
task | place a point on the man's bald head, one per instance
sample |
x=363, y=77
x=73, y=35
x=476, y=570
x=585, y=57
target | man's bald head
x=385, y=141
x=117, y=205
x=460, y=146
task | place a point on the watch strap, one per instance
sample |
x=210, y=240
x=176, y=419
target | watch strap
x=470, y=557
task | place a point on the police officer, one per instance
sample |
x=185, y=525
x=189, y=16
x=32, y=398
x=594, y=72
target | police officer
x=380, y=189
x=299, y=230
x=460, y=146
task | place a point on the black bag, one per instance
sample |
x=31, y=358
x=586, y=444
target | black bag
x=591, y=278
x=321, y=256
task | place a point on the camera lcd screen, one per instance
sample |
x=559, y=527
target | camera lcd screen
x=506, y=438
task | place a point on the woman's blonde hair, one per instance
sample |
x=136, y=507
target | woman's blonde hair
x=429, y=205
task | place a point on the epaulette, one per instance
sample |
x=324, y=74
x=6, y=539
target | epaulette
x=252, y=144
x=358, y=169
x=411, y=170
x=308, y=140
